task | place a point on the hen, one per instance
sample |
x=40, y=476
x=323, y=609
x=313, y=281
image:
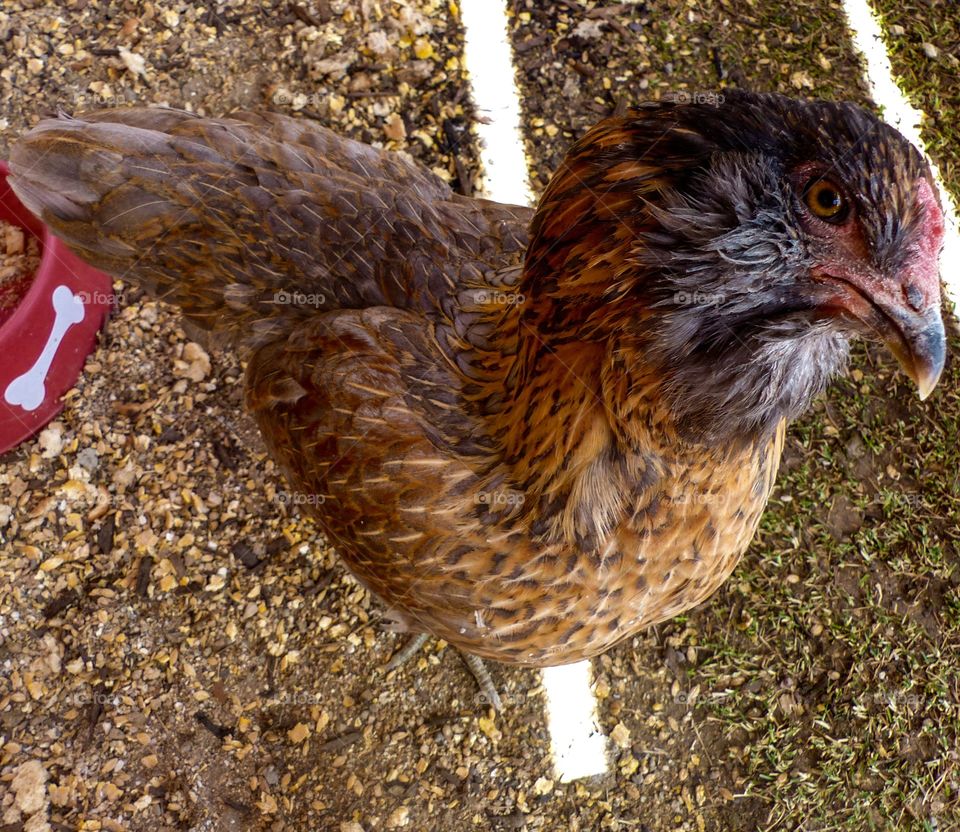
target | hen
x=530, y=433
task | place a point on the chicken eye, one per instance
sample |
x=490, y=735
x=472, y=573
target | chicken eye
x=825, y=201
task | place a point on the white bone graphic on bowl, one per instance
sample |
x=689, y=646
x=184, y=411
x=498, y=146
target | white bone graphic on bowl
x=29, y=389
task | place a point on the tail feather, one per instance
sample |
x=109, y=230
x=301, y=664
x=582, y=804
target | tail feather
x=252, y=222
x=135, y=202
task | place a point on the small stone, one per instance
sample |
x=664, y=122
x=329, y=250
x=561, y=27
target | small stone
x=29, y=787
x=399, y=817
x=298, y=733
x=489, y=727
x=394, y=128
x=112, y=792
x=216, y=582
x=13, y=239
x=136, y=64
x=351, y=826
x=629, y=765
x=51, y=440
x=621, y=735
x=930, y=51
x=267, y=804
x=129, y=27
x=855, y=447
x=843, y=517
x=37, y=823
x=88, y=458
x=542, y=786
x=148, y=314
x=377, y=43
x=423, y=49
x=195, y=364
x=414, y=21
x=588, y=29
x=335, y=66
x=123, y=477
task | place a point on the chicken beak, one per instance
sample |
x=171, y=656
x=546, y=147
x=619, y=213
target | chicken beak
x=919, y=343
x=912, y=331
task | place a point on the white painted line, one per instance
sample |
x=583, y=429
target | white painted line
x=578, y=745
x=899, y=113
x=489, y=61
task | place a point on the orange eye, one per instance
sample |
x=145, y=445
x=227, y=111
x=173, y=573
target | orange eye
x=825, y=201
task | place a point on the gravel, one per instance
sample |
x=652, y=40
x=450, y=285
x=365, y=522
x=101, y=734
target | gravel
x=181, y=650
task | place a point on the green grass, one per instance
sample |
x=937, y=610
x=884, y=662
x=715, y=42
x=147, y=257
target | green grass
x=870, y=655
x=932, y=84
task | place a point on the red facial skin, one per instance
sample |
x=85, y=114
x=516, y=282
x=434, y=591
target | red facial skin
x=850, y=284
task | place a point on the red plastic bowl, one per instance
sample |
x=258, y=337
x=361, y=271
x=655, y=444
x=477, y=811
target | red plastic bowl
x=46, y=339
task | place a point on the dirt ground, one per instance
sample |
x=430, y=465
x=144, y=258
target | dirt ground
x=181, y=651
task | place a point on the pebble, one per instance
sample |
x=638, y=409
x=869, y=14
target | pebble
x=399, y=818
x=930, y=51
x=29, y=786
x=394, y=128
x=195, y=364
x=13, y=239
x=37, y=823
x=542, y=786
x=51, y=440
x=621, y=735
x=588, y=29
x=378, y=43
x=88, y=458
x=298, y=733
